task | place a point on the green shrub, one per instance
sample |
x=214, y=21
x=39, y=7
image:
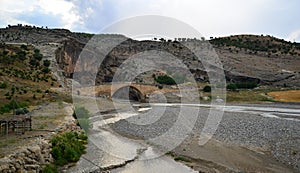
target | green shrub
x=38, y=56
x=12, y=105
x=21, y=55
x=50, y=168
x=4, y=109
x=23, y=46
x=81, y=112
x=34, y=62
x=5, y=52
x=67, y=147
x=39, y=91
x=231, y=87
x=46, y=70
x=207, y=88
x=36, y=51
x=22, y=111
x=182, y=159
x=46, y=63
x=3, y=85
x=165, y=80
x=82, y=136
x=246, y=85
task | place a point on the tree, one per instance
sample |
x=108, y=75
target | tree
x=207, y=88
x=3, y=85
x=46, y=63
x=165, y=80
x=21, y=55
x=162, y=40
x=38, y=56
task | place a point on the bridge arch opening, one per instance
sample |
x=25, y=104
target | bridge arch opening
x=129, y=93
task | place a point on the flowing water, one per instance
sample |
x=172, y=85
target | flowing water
x=110, y=151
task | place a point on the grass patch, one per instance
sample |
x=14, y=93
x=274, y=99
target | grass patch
x=42, y=126
x=251, y=96
x=5, y=143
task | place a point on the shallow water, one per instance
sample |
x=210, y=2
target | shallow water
x=106, y=149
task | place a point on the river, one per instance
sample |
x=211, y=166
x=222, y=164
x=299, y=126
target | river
x=108, y=150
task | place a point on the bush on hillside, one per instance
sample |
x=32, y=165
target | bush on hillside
x=207, y=88
x=50, y=168
x=231, y=87
x=67, y=147
x=12, y=105
x=167, y=80
x=3, y=85
x=46, y=63
x=246, y=85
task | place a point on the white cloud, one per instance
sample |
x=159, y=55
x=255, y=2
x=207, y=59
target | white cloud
x=60, y=8
x=211, y=18
x=295, y=35
x=12, y=10
x=15, y=6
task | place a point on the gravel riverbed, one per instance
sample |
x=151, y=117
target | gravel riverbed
x=280, y=137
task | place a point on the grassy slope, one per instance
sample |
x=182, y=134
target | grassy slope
x=24, y=82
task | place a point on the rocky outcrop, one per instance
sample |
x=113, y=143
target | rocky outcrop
x=28, y=159
x=67, y=55
x=34, y=156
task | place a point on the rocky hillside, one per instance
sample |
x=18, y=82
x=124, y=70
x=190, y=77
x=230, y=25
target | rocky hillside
x=263, y=59
x=271, y=60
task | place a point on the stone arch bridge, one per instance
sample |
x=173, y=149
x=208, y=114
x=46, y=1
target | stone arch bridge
x=137, y=92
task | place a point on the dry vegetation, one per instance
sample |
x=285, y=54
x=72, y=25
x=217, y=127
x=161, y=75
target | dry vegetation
x=286, y=96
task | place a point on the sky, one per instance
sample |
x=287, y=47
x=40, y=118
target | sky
x=212, y=18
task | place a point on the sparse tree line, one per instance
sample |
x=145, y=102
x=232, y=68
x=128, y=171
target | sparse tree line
x=36, y=70
x=268, y=44
x=177, y=40
x=26, y=63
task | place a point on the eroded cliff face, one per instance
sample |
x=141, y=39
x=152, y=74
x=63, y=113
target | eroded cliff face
x=266, y=66
x=67, y=56
x=105, y=64
x=242, y=66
